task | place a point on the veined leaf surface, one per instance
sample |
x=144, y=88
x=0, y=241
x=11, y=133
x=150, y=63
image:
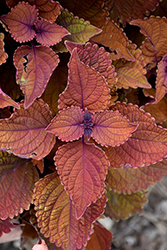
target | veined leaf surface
x=17, y=181
x=41, y=61
x=20, y=21
x=113, y=37
x=147, y=145
x=130, y=180
x=82, y=168
x=56, y=214
x=86, y=87
x=111, y=128
x=121, y=206
x=67, y=124
x=97, y=58
x=49, y=33
x=80, y=31
x=24, y=132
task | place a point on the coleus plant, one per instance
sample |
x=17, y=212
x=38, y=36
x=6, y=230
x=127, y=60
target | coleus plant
x=80, y=141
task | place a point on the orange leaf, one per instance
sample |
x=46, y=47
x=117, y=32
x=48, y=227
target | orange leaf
x=5, y=101
x=41, y=246
x=41, y=61
x=131, y=74
x=17, y=179
x=3, y=55
x=121, y=206
x=155, y=46
x=56, y=214
x=67, y=124
x=129, y=180
x=82, y=168
x=47, y=8
x=97, y=58
x=39, y=164
x=157, y=110
x=100, y=239
x=86, y=87
x=129, y=9
x=24, y=132
x=113, y=37
x=111, y=128
x=161, y=81
x=147, y=145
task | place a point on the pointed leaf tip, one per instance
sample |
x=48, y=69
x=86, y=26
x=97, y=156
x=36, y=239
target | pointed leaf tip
x=86, y=87
x=147, y=145
x=5, y=101
x=82, y=168
x=41, y=62
x=111, y=128
x=49, y=33
x=24, y=132
x=56, y=214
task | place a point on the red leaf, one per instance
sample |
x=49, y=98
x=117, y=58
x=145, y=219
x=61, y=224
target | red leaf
x=147, y=145
x=17, y=178
x=100, y=239
x=3, y=55
x=24, y=132
x=67, y=124
x=41, y=62
x=49, y=33
x=161, y=81
x=56, y=214
x=86, y=87
x=82, y=168
x=111, y=128
x=20, y=20
x=97, y=58
x=5, y=226
x=5, y=101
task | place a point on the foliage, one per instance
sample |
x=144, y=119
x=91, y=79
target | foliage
x=82, y=116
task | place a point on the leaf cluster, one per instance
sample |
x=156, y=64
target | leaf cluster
x=83, y=114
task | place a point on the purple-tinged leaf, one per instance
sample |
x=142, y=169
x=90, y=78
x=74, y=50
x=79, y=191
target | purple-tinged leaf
x=86, y=88
x=49, y=33
x=20, y=21
x=111, y=128
x=17, y=181
x=82, y=168
x=67, y=124
x=41, y=62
